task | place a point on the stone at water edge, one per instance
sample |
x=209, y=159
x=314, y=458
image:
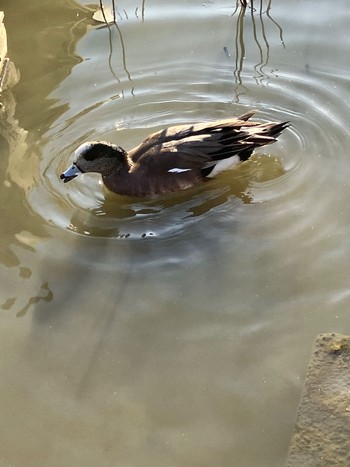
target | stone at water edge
x=322, y=431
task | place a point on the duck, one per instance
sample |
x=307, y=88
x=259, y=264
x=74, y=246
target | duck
x=175, y=158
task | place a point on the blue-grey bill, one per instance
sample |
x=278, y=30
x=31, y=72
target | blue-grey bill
x=70, y=173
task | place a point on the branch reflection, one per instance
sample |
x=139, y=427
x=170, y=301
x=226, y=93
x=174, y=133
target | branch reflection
x=259, y=31
x=110, y=17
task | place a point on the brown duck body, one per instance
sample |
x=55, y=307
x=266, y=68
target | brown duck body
x=175, y=158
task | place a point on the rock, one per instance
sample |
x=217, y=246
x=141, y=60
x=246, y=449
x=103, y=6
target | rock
x=322, y=431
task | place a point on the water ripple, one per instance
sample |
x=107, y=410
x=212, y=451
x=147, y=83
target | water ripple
x=315, y=138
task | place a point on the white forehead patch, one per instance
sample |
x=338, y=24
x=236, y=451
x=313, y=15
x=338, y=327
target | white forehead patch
x=176, y=170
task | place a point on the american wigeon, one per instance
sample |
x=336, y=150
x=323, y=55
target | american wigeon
x=175, y=158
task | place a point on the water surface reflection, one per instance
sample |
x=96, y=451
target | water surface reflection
x=176, y=330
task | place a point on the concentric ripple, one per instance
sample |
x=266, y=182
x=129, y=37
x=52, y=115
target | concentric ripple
x=301, y=160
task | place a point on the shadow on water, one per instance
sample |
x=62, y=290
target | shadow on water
x=260, y=19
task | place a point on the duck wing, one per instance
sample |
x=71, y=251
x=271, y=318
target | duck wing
x=203, y=145
x=180, y=132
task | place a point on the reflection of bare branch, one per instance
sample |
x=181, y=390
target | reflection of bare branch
x=108, y=22
x=240, y=52
x=111, y=42
x=143, y=10
x=258, y=44
x=123, y=51
x=116, y=12
x=266, y=43
x=262, y=43
x=239, y=42
x=114, y=15
x=110, y=55
x=103, y=13
x=275, y=22
x=237, y=4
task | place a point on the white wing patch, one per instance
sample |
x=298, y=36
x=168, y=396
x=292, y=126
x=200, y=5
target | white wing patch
x=224, y=164
x=176, y=170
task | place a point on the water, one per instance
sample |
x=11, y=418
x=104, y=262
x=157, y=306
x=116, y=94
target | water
x=176, y=330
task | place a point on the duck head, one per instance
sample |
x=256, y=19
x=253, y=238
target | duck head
x=95, y=156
